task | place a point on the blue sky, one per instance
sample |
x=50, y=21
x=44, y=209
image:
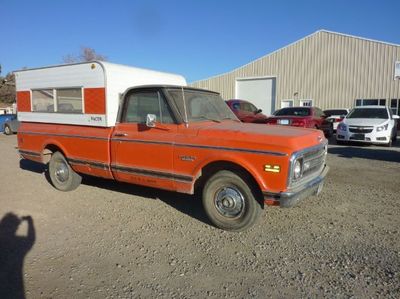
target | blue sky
x=196, y=39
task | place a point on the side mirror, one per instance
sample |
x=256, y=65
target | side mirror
x=151, y=120
x=258, y=111
x=396, y=116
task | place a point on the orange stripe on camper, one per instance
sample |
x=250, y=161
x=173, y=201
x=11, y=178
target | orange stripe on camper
x=95, y=100
x=24, y=101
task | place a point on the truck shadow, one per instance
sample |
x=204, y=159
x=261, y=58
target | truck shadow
x=365, y=153
x=190, y=205
x=32, y=166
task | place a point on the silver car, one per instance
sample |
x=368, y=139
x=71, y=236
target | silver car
x=11, y=126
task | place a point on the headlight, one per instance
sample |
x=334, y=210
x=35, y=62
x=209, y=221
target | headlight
x=297, y=169
x=382, y=128
x=342, y=127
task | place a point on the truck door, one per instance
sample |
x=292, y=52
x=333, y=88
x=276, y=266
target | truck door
x=140, y=154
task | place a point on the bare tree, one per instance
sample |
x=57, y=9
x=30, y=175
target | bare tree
x=86, y=54
x=7, y=88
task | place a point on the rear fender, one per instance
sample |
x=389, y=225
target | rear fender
x=49, y=147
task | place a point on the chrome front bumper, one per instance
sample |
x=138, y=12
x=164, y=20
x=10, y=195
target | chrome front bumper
x=291, y=197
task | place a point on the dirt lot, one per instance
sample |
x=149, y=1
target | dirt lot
x=115, y=240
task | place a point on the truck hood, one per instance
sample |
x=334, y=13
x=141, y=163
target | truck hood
x=364, y=121
x=261, y=136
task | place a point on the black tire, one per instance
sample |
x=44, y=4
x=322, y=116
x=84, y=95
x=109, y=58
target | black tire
x=389, y=144
x=340, y=142
x=7, y=130
x=62, y=176
x=394, y=138
x=329, y=133
x=229, y=202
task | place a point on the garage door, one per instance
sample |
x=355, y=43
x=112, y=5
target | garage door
x=259, y=91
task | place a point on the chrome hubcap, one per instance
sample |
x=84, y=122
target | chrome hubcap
x=229, y=202
x=61, y=172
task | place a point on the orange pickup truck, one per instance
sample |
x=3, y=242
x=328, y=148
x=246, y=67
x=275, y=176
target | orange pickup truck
x=166, y=136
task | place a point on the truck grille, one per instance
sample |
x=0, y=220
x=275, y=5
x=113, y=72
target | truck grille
x=316, y=161
x=358, y=129
x=313, y=163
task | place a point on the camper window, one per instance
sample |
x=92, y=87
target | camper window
x=43, y=100
x=69, y=100
x=62, y=100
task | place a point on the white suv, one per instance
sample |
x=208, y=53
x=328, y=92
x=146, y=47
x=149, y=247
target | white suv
x=369, y=124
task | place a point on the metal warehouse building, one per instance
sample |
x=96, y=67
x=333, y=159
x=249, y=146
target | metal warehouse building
x=325, y=69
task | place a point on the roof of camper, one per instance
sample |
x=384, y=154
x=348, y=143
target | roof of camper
x=104, y=64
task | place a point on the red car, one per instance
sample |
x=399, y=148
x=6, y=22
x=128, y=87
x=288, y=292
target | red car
x=246, y=111
x=306, y=117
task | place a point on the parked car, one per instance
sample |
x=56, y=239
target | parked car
x=368, y=124
x=336, y=115
x=11, y=126
x=246, y=111
x=4, y=122
x=306, y=117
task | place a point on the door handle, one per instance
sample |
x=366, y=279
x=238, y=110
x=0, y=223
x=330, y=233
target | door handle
x=120, y=134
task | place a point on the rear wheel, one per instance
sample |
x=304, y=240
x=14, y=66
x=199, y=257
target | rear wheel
x=62, y=176
x=229, y=202
x=7, y=130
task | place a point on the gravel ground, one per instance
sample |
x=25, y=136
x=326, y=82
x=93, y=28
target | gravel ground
x=114, y=240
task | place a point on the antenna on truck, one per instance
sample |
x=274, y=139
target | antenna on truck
x=184, y=108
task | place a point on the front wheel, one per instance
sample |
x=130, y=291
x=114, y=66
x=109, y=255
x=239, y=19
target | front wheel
x=389, y=144
x=329, y=132
x=229, y=202
x=7, y=130
x=62, y=176
x=340, y=142
x=394, y=138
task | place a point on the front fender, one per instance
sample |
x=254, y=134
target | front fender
x=254, y=166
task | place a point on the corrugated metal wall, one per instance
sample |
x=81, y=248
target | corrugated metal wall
x=330, y=68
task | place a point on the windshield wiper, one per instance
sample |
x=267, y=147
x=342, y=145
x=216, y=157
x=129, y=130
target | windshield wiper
x=209, y=118
x=227, y=117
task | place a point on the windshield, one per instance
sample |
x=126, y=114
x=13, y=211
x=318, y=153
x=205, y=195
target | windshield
x=335, y=112
x=248, y=107
x=201, y=105
x=368, y=113
x=298, y=111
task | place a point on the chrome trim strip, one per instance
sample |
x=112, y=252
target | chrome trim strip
x=29, y=153
x=151, y=173
x=64, y=135
x=234, y=149
x=261, y=152
x=143, y=141
x=202, y=146
x=88, y=163
x=131, y=170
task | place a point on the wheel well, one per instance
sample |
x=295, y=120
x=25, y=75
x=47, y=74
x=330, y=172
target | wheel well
x=48, y=151
x=212, y=168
